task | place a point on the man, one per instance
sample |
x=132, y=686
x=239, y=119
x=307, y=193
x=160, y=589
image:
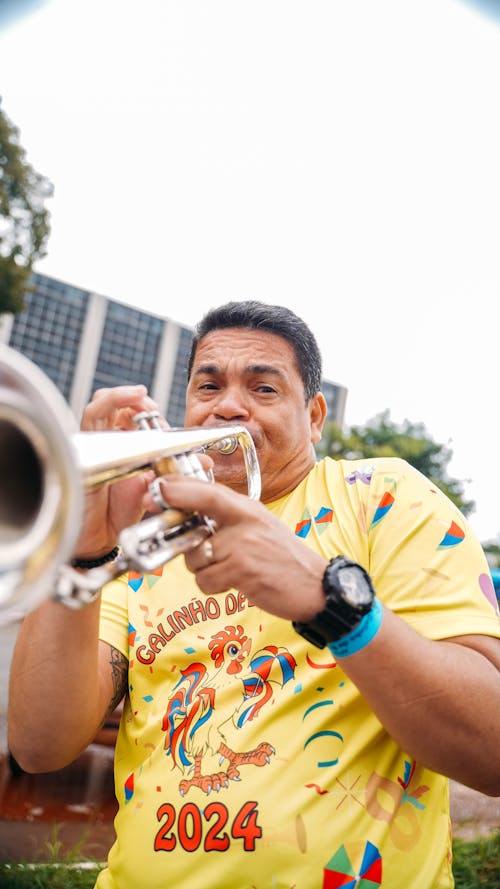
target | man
x=288, y=717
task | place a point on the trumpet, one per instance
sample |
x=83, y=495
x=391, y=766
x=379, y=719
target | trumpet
x=47, y=466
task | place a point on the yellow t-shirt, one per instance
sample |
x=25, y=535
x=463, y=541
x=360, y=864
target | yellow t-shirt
x=246, y=758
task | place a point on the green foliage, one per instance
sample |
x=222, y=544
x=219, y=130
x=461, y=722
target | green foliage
x=46, y=876
x=60, y=869
x=410, y=441
x=477, y=864
x=492, y=550
x=24, y=220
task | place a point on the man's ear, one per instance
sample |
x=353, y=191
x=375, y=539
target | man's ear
x=317, y=415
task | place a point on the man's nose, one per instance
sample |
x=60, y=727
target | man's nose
x=232, y=405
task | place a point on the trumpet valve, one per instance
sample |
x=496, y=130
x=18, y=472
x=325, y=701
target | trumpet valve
x=225, y=446
x=147, y=420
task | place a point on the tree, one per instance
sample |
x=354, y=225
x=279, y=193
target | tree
x=383, y=438
x=24, y=220
x=492, y=550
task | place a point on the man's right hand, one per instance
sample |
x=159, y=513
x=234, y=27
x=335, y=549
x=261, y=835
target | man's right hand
x=112, y=507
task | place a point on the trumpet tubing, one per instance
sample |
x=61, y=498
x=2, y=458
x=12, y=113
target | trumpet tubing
x=47, y=465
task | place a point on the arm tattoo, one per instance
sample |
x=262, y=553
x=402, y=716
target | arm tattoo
x=119, y=670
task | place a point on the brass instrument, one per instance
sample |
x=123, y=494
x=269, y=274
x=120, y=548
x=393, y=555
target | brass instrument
x=47, y=466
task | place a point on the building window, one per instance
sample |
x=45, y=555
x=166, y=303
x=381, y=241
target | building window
x=49, y=330
x=177, y=400
x=129, y=348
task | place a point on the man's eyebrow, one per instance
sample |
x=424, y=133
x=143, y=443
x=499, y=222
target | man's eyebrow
x=209, y=369
x=214, y=370
x=264, y=369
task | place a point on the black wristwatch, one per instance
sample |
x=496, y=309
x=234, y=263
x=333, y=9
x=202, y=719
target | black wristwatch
x=349, y=596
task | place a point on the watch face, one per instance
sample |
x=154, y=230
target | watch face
x=354, y=585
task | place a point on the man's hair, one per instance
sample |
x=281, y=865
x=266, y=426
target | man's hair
x=279, y=320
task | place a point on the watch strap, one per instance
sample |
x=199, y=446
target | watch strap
x=361, y=635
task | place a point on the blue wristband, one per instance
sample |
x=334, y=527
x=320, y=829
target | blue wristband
x=362, y=635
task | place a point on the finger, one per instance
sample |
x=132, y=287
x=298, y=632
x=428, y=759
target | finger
x=206, y=462
x=202, y=556
x=215, y=500
x=209, y=567
x=157, y=503
x=115, y=408
x=119, y=394
x=200, y=465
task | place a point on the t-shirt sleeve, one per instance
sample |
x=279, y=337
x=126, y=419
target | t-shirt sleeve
x=426, y=563
x=114, y=623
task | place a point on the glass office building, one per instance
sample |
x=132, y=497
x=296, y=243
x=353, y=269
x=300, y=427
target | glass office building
x=129, y=347
x=49, y=331
x=84, y=341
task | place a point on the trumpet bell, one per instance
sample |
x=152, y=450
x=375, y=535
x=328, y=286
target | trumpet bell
x=47, y=465
x=41, y=497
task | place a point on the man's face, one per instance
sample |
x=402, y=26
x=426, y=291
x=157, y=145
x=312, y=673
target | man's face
x=249, y=377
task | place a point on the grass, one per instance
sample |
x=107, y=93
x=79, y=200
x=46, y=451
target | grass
x=47, y=876
x=61, y=869
x=476, y=865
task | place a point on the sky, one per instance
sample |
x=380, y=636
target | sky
x=340, y=157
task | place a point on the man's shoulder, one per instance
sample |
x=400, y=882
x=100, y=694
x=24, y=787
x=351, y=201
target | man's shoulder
x=373, y=474
x=366, y=467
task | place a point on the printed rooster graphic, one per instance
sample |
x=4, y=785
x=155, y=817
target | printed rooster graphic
x=196, y=721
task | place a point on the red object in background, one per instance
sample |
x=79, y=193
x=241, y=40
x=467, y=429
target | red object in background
x=78, y=802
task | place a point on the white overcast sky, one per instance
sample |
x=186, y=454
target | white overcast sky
x=341, y=157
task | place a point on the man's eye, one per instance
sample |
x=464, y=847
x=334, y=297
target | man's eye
x=208, y=386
